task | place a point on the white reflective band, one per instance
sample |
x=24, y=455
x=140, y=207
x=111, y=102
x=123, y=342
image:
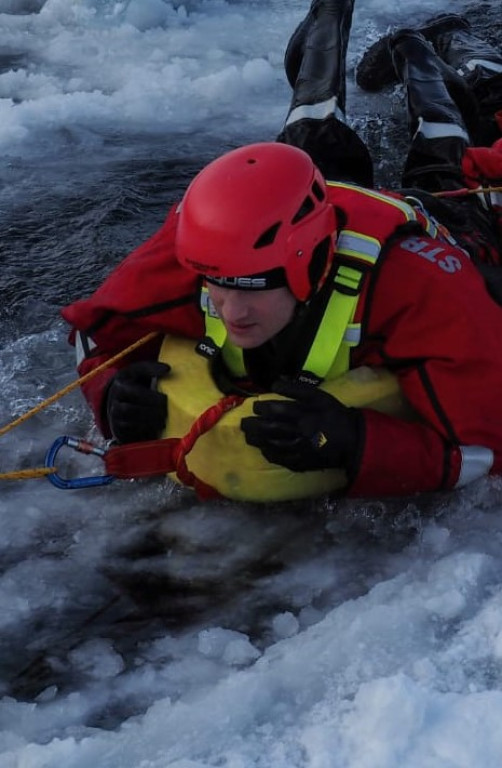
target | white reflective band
x=316, y=111
x=476, y=462
x=489, y=199
x=352, y=334
x=358, y=244
x=440, y=130
x=491, y=66
x=79, y=350
x=207, y=305
x=83, y=345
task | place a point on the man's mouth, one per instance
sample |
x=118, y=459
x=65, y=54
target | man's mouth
x=240, y=327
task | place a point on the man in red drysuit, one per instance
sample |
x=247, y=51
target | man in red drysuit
x=281, y=255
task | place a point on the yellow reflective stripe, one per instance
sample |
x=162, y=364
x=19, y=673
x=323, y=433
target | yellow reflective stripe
x=341, y=363
x=405, y=208
x=234, y=359
x=328, y=341
x=363, y=247
x=431, y=226
x=349, y=277
x=216, y=331
x=408, y=210
x=214, y=327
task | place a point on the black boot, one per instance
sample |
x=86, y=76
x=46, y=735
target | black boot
x=376, y=70
x=295, y=48
x=436, y=94
x=315, y=65
x=480, y=64
x=437, y=100
x=315, y=57
x=476, y=59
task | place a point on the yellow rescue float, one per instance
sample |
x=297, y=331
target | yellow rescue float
x=221, y=457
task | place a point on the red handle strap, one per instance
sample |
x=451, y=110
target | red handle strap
x=158, y=457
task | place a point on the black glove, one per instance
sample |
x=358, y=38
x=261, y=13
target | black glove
x=136, y=411
x=311, y=431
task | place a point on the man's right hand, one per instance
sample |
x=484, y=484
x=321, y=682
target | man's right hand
x=135, y=411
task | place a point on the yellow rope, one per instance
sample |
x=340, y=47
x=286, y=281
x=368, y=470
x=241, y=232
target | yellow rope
x=28, y=474
x=466, y=191
x=43, y=471
x=75, y=384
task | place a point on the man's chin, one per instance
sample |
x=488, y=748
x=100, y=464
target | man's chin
x=243, y=344
x=245, y=341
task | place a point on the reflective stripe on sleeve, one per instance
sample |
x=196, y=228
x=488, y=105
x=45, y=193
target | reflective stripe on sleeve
x=361, y=246
x=83, y=346
x=476, y=462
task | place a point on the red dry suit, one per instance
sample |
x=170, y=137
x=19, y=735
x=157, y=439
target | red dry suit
x=482, y=167
x=425, y=314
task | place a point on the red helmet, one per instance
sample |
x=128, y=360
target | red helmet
x=254, y=217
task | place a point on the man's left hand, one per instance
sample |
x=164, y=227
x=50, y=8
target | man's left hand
x=311, y=431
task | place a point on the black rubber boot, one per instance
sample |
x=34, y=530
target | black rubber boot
x=315, y=57
x=474, y=58
x=315, y=64
x=436, y=93
x=295, y=47
x=376, y=70
x=437, y=100
x=480, y=64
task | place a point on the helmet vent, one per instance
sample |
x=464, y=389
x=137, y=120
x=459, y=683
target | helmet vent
x=318, y=191
x=306, y=207
x=267, y=237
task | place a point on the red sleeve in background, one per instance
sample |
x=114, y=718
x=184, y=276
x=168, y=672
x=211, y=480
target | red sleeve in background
x=481, y=164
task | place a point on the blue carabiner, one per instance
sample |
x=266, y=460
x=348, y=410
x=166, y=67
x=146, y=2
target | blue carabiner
x=77, y=482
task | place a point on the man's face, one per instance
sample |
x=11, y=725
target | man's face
x=252, y=317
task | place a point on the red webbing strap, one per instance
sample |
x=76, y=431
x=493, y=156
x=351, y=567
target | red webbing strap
x=158, y=457
x=204, y=423
x=133, y=460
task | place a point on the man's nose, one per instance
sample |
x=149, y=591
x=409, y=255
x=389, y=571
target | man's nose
x=234, y=307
